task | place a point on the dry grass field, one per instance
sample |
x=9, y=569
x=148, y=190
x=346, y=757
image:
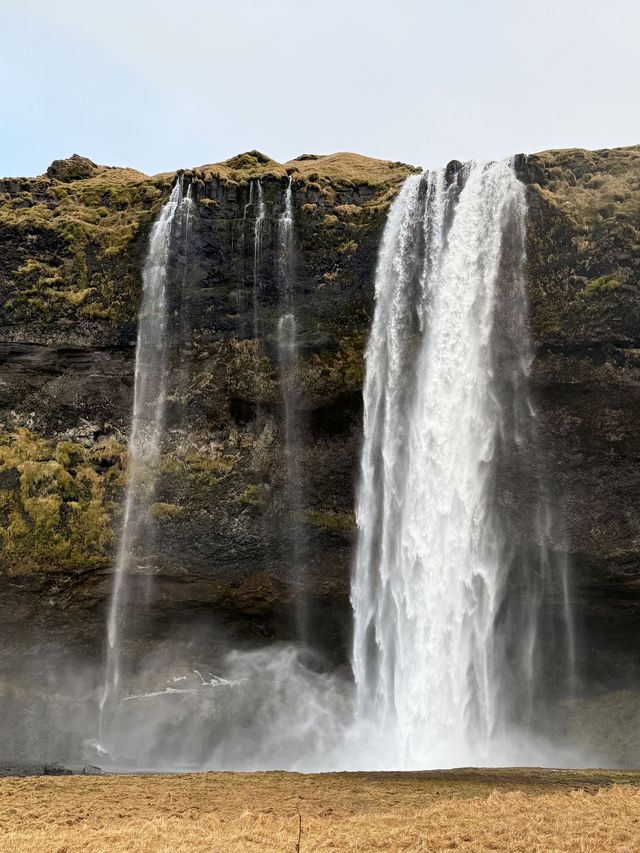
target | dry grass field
x=467, y=810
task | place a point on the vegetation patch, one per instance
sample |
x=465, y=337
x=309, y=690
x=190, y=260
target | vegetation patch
x=466, y=810
x=604, y=284
x=336, y=522
x=77, y=242
x=57, y=502
x=161, y=511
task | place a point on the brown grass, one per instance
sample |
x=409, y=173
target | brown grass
x=591, y=186
x=528, y=811
x=342, y=168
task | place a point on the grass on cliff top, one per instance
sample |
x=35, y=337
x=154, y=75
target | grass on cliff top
x=592, y=186
x=339, y=169
x=76, y=231
x=471, y=810
x=71, y=239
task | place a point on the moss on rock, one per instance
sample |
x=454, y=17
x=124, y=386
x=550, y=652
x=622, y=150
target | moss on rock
x=56, y=502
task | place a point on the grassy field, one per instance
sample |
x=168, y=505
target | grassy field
x=466, y=810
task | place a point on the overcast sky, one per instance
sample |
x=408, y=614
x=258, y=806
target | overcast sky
x=161, y=85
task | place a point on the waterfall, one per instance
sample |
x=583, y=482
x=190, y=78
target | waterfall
x=147, y=426
x=288, y=372
x=258, y=230
x=285, y=246
x=448, y=642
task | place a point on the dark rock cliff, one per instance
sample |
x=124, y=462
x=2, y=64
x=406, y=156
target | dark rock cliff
x=73, y=243
x=584, y=289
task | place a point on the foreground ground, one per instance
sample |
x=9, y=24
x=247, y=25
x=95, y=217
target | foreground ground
x=465, y=810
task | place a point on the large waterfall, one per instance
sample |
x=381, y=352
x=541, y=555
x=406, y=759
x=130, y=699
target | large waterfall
x=147, y=427
x=447, y=639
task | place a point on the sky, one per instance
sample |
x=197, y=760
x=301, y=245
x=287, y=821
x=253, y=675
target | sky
x=160, y=85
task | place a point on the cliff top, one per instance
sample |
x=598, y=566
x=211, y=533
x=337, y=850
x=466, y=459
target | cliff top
x=342, y=167
x=70, y=235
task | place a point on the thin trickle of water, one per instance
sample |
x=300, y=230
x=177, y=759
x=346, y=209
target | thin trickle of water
x=185, y=222
x=287, y=340
x=285, y=247
x=446, y=656
x=147, y=424
x=257, y=197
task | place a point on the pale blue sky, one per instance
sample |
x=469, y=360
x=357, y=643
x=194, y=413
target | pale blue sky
x=160, y=85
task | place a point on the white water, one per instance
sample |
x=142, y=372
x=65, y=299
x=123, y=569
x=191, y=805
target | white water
x=287, y=339
x=446, y=655
x=256, y=195
x=444, y=662
x=285, y=246
x=147, y=427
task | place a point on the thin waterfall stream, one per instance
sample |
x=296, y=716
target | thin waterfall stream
x=287, y=339
x=147, y=429
x=256, y=196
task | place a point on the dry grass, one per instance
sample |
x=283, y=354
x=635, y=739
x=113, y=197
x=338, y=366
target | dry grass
x=336, y=169
x=592, y=186
x=530, y=811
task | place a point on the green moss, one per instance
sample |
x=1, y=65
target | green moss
x=251, y=496
x=248, y=161
x=76, y=240
x=348, y=248
x=209, y=463
x=336, y=522
x=161, y=511
x=602, y=284
x=59, y=513
x=202, y=469
x=337, y=371
x=347, y=211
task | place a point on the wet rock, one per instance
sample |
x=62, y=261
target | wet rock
x=9, y=768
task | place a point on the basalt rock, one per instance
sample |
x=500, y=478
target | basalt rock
x=72, y=248
x=74, y=168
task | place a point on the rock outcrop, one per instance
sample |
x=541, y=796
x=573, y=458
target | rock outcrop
x=72, y=249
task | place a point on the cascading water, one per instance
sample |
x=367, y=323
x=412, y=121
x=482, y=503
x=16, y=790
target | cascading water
x=147, y=427
x=258, y=231
x=288, y=370
x=184, y=222
x=446, y=650
x=285, y=246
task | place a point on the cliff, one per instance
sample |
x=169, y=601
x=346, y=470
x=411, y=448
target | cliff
x=73, y=243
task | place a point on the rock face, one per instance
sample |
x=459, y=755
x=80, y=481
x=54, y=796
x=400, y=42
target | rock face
x=584, y=288
x=70, y=288
x=73, y=242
